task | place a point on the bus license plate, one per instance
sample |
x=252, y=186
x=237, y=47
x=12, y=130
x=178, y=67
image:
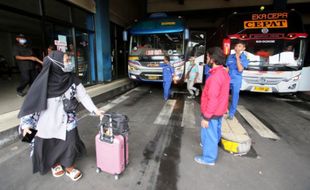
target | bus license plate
x=261, y=89
x=153, y=77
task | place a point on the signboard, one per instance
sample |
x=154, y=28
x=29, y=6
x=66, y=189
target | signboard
x=61, y=43
x=267, y=20
x=167, y=23
x=265, y=24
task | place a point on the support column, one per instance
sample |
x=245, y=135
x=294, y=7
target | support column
x=103, y=43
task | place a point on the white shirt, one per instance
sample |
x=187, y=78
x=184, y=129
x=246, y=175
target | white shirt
x=53, y=122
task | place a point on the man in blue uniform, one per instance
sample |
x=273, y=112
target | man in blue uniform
x=206, y=72
x=235, y=64
x=168, y=73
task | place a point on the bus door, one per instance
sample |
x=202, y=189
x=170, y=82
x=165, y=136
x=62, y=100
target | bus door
x=196, y=48
x=304, y=84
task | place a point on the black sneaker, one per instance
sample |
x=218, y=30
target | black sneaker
x=21, y=94
x=230, y=117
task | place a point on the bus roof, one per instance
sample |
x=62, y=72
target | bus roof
x=260, y=22
x=158, y=26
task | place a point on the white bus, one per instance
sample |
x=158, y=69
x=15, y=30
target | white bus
x=275, y=48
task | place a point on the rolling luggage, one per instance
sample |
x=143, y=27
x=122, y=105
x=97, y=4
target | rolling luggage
x=111, y=150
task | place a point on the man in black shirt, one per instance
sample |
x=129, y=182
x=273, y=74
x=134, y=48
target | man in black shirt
x=25, y=62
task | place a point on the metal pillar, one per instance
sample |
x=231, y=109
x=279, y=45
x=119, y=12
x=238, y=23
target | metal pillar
x=103, y=42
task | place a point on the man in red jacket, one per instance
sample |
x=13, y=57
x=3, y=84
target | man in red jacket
x=214, y=104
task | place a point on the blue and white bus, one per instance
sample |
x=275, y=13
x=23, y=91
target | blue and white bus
x=159, y=35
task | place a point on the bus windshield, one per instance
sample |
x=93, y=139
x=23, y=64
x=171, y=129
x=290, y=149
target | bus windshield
x=275, y=55
x=157, y=44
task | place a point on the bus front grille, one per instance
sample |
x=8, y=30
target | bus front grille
x=263, y=80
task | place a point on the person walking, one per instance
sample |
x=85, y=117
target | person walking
x=192, y=76
x=168, y=73
x=214, y=104
x=236, y=63
x=25, y=62
x=57, y=143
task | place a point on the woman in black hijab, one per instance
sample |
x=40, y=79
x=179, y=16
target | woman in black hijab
x=57, y=142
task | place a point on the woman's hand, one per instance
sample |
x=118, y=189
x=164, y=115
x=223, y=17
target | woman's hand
x=204, y=123
x=26, y=130
x=100, y=113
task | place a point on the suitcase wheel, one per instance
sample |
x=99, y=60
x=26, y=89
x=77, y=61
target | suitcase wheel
x=116, y=177
x=98, y=170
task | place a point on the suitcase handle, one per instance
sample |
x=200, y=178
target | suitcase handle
x=107, y=135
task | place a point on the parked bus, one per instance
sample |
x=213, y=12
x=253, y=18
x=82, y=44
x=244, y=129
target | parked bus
x=159, y=35
x=276, y=48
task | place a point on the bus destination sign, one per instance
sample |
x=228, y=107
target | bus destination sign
x=267, y=20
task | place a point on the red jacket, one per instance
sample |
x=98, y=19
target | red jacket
x=214, y=98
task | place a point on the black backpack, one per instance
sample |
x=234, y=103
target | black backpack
x=119, y=123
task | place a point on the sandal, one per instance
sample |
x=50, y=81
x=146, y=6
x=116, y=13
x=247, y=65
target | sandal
x=75, y=174
x=57, y=171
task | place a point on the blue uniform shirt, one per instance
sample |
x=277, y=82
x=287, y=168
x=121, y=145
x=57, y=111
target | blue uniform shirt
x=207, y=69
x=167, y=71
x=231, y=62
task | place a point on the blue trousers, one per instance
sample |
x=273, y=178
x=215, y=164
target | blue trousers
x=235, y=90
x=210, y=137
x=166, y=86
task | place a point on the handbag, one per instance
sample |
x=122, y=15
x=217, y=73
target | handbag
x=188, y=72
x=70, y=104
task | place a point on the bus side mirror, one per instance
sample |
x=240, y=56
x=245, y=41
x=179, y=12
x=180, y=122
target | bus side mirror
x=186, y=34
x=125, y=36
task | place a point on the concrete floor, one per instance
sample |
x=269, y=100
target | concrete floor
x=9, y=101
x=161, y=156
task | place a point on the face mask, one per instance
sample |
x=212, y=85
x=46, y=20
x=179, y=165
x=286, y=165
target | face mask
x=67, y=68
x=22, y=41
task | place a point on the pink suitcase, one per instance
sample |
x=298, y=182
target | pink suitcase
x=110, y=156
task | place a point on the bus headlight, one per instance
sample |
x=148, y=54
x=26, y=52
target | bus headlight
x=294, y=79
x=131, y=68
